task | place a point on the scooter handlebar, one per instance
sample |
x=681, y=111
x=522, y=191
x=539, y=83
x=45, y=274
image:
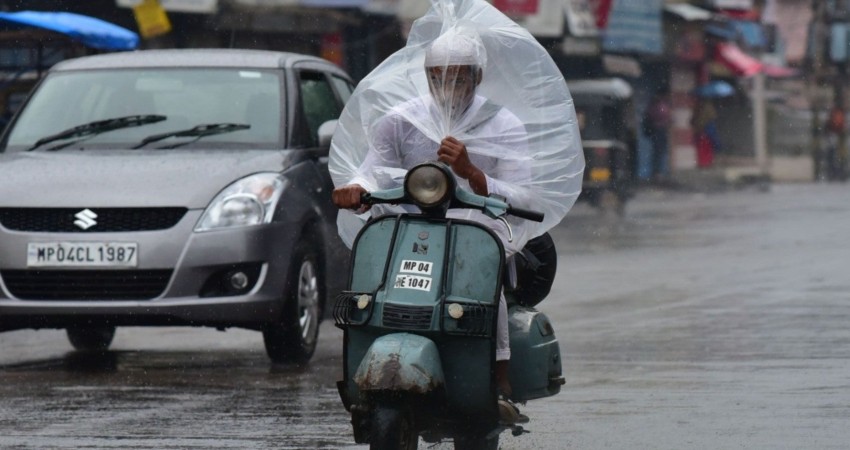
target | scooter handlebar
x=389, y=196
x=395, y=195
x=527, y=214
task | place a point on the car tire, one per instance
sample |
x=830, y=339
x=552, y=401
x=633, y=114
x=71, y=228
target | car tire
x=293, y=338
x=91, y=338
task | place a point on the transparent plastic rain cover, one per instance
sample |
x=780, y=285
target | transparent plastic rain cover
x=519, y=125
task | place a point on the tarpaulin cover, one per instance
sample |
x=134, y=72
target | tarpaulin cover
x=90, y=31
x=519, y=126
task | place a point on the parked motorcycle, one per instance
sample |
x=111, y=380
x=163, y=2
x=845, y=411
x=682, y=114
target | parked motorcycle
x=419, y=321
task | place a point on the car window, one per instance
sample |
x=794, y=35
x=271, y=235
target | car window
x=186, y=97
x=343, y=87
x=318, y=101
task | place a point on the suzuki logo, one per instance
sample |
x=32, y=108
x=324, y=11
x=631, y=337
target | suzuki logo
x=85, y=219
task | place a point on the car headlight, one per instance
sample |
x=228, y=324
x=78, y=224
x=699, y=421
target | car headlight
x=249, y=201
x=428, y=185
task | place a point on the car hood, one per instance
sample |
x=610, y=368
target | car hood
x=128, y=178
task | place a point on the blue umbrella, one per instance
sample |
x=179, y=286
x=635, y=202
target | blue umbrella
x=92, y=32
x=713, y=89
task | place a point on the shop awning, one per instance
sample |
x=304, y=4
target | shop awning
x=738, y=62
x=779, y=71
x=688, y=12
x=90, y=31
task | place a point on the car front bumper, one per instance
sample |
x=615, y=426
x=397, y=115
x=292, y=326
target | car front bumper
x=190, y=266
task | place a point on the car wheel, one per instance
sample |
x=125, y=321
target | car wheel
x=91, y=339
x=294, y=337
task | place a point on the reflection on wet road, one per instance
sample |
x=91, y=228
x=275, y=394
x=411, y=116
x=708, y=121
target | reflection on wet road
x=171, y=399
x=697, y=321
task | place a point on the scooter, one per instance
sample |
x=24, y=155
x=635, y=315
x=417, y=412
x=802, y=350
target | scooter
x=419, y=322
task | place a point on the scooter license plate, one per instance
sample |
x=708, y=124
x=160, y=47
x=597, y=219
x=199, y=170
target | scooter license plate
x=413, y=282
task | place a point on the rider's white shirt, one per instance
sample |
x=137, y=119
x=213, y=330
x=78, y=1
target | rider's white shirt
x=495, y=139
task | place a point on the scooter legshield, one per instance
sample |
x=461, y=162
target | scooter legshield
x=401, y=362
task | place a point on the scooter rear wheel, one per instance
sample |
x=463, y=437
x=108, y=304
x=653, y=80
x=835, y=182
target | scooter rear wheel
x=392, y=429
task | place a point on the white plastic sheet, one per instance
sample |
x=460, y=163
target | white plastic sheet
x=519, y=125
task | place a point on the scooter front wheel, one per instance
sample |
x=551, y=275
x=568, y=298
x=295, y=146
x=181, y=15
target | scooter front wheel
x=392, y=429
x=476, y=441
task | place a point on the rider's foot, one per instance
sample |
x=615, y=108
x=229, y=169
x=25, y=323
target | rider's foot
x=509, y=413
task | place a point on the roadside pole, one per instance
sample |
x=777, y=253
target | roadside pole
x=760, y=126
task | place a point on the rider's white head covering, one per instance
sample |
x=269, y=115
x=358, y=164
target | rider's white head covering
x=456, y=47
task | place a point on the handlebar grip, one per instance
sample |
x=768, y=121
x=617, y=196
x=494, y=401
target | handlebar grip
x=527, y=214
x=365, y=198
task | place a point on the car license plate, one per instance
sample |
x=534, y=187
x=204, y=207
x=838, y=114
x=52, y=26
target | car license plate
x=82, y=254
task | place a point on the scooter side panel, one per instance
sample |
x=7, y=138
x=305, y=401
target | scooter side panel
x=475, y=265
x=370, y=255
x=535, y=369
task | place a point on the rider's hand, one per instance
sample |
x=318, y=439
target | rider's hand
x=453, y=152
x=348, y=196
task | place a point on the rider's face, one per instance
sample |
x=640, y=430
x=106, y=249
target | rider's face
x=453, y=87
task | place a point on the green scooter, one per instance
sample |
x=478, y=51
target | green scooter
x=419, y=322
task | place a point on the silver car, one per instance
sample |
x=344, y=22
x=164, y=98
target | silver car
x=173, y=187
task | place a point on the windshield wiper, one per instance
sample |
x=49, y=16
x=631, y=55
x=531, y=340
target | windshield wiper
x=94, y=128
x=197, y=132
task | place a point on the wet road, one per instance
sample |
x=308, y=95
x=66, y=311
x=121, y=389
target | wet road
x=698, y=321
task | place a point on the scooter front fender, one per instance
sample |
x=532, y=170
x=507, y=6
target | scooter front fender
x=401, y=362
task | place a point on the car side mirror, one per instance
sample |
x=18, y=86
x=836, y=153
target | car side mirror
x=326, y=132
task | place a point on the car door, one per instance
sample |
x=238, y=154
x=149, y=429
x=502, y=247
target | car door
x=322, y=96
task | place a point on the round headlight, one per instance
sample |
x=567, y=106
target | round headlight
x=455, y=311
x=363, y=301
x=427, y=185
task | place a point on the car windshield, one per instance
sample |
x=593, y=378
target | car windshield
x=185, y=97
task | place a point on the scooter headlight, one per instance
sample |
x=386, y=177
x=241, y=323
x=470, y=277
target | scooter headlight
x=428, y=185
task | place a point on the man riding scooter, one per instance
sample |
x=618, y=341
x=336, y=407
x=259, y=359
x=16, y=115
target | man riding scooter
x=454, y=66
x=494, y=109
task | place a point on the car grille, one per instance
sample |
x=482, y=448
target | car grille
x=407, y=317
x=63, y=220
x=86, y=284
